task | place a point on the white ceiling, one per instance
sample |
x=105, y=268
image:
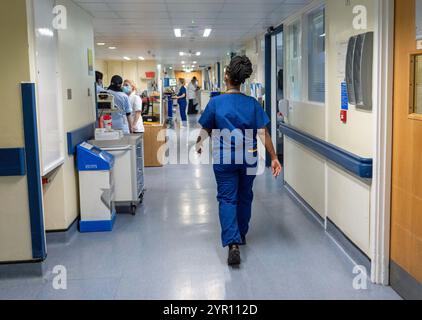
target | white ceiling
x=137, y=27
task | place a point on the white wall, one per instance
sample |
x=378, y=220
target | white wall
x=131, y=70
x=356, y=135
x=61, y=196
x=349, y=198
x=331, y=191
x=15, y=234
x=305, y=170
x=254, y=50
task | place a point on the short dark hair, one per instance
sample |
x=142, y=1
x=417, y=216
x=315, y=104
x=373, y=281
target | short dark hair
x=239, y=69
x=116, y=83
x=98, y=76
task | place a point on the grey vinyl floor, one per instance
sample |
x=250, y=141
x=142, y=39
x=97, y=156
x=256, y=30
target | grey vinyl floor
x=171, y=250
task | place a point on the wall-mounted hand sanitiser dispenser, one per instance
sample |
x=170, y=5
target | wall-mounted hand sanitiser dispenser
x=359, y=62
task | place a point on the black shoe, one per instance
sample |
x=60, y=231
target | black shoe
x=234, y=255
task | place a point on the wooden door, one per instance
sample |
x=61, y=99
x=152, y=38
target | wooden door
x=406, y=236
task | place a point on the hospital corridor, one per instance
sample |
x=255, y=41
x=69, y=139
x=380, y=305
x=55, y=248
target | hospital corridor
x=211, y=153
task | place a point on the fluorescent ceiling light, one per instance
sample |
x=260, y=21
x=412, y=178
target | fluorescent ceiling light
x=195, y=62
x=112, y=48
x=46, y=32
x=178, y=33
x=141, y=58
x=100, y=44
x=127, y=58
x=181, y=54
x=207, y=32
x=198, y=53
x=183, y=62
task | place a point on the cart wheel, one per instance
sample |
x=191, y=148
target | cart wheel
x=133, y=208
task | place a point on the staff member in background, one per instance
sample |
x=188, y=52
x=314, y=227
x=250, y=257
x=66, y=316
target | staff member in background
x=129, y=87
x=181, y=100
x=122, y=118
x=99, y=81
x=192, y=90
x=236, y=113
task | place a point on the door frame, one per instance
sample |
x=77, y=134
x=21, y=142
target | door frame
x=383, y=124
x=270, y=78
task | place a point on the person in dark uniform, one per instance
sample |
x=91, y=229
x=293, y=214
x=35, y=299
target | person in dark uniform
x=240, y=115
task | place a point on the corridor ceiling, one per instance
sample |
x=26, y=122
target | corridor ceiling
x=146, y=27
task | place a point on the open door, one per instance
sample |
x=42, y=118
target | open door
x=406, y=231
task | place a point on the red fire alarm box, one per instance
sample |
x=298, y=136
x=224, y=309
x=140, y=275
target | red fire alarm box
x=343, y=116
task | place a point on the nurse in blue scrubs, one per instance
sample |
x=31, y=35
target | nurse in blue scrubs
x=182, y=101
x=121, y=119
x=235, y=121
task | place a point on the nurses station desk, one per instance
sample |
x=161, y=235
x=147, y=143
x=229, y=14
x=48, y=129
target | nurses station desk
x=154, y=140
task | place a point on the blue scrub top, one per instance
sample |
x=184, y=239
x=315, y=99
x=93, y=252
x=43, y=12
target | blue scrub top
x=238, y=118
x=182, y=91
x=121, y=100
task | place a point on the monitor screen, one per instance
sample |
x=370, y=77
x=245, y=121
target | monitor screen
x=172, y=82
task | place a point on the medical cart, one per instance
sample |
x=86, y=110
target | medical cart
x=128, y=170
x=96, y=189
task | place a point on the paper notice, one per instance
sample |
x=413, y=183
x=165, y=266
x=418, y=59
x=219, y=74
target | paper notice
x=341, y=59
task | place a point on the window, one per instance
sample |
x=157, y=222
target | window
x=280, y=66
x=316, y=55
x=416, y=85
x=294, y=61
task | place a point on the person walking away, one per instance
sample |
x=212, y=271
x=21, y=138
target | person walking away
x=239, y=115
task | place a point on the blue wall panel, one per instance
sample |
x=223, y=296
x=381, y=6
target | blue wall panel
x=76, y=137
x=33, y=171
x=12, y=162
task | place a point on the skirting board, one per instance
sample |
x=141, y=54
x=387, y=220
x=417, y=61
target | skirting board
x=338, y=236
x=62, y=236
x=348, y=246
x=404, y=284
x=304, y=204
x=23, y=269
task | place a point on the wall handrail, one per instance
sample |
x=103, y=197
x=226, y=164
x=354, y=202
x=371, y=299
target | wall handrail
x=12, y=162
x=76, y=137
x=362, y=167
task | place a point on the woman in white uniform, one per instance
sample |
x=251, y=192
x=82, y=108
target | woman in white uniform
x=129, y=87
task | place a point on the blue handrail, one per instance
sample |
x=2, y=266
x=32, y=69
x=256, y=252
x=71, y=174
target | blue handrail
x=12, y=162
x=76, y=137
x=362, y=167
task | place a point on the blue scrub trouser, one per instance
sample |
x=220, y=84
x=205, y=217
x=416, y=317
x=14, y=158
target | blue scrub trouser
x=182, y=106
x=235, y=197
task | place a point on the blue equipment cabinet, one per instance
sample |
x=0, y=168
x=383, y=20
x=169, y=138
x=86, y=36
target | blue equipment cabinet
x=96, y=189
